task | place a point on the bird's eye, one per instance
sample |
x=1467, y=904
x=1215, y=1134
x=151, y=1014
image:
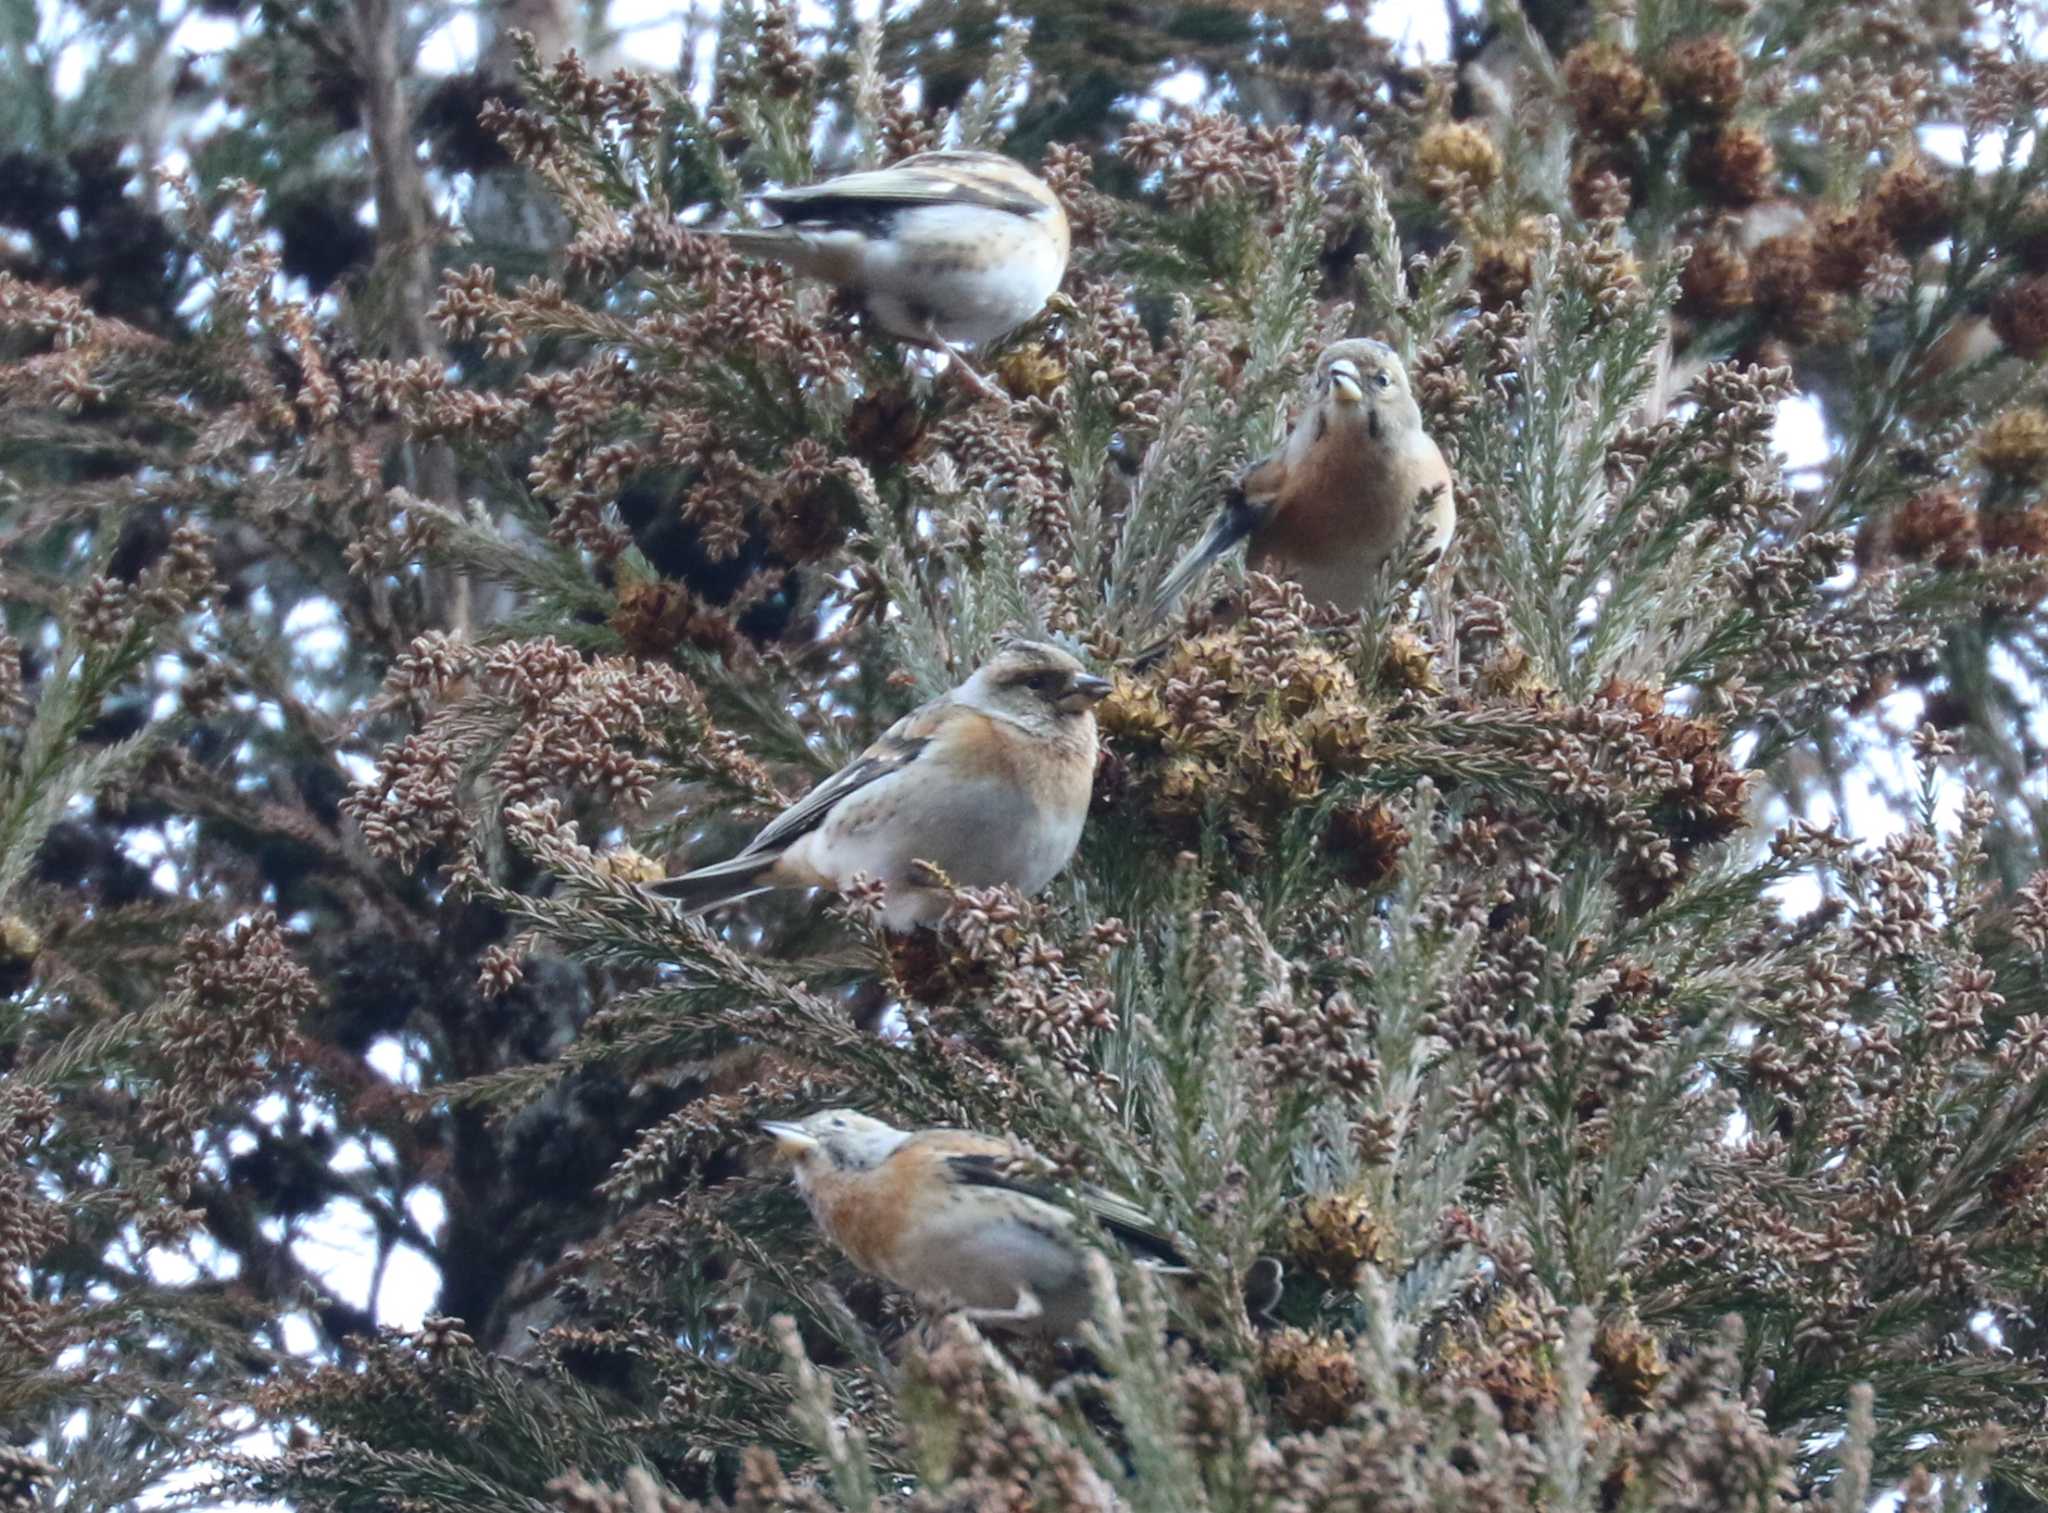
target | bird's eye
x=1382, y=380
x=1041, y=682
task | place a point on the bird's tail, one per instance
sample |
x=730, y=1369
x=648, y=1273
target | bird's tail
x=720, y=883
x=1219, y=539
x=1238, y=518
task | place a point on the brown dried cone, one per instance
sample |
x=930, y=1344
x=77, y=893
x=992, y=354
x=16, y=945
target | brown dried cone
x=2020, y=533
x=654, y=618
x=1732, y=167
x=1185, y=786
x=1503, y=267
x=1340, y=734
x=928, y=970
x=1282, y=770
x=1629, y=1365
x=1523, y=1389
x=2014, y=446
x=1333, y=1236
x=1715, y=283
x=1031, y=372
x=1787, y=287
x=1409, y=665
x=2021, y=1182
x=1935, y=526
x=1511, y=674
x=1611, y=97
x=1711, y=801
x=1454, y=153
x=1364, y=843
x=811, y=523
x=1235, y=724
x=780, y=58
x=1313, y=678
x=1505, y=1354
x=1314, y=1378
x=1708, y=803
x=1702, y=79
x=1911, y=202
x=1846, y=246
x=2019, y=315
x=1133, y=714
x=886, y=428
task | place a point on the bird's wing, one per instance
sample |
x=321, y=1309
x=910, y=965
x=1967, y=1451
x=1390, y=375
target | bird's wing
x=1246, y=507
x=930, y=178
x=895, y=749
x=1261, y=483
x=1128, y=1222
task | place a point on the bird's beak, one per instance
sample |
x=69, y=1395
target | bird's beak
x=790, y=1139
x=1084, y=691
x=1344, y=382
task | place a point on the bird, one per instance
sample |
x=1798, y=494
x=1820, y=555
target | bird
x=966, y=1221
x=1341, y=494
x=942, y=247
x=990, y=783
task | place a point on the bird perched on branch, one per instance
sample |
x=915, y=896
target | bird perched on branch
x=989, y=783
x=1342, y=493
x=966, y=1221
x=942, y=247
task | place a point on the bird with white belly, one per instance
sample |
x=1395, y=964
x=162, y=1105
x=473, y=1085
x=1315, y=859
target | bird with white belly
x=942, y=248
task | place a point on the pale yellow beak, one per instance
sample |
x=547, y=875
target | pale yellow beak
x=790, y=1139
x=1344, y=382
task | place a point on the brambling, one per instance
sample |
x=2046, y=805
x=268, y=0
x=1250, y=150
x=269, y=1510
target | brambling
x=989, y=783
x=942, y=247
x=965, y=1221
x=1341, y=494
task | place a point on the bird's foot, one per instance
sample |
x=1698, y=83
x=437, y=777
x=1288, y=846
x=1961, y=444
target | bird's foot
x=975, y=382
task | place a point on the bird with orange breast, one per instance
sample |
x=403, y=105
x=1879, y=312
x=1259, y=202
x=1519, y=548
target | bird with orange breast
x=1354, y=477
x=966, y=1221
x=941, y=248
x=990, y=783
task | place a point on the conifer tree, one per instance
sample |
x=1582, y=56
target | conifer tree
x=1642, y=1123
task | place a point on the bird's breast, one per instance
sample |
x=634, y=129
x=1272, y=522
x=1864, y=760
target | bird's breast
x=1056, y=770
x=865, y=1213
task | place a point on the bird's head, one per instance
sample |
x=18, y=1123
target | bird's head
x=1034, y=684
x=1360, y=375
x=834, y=1140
